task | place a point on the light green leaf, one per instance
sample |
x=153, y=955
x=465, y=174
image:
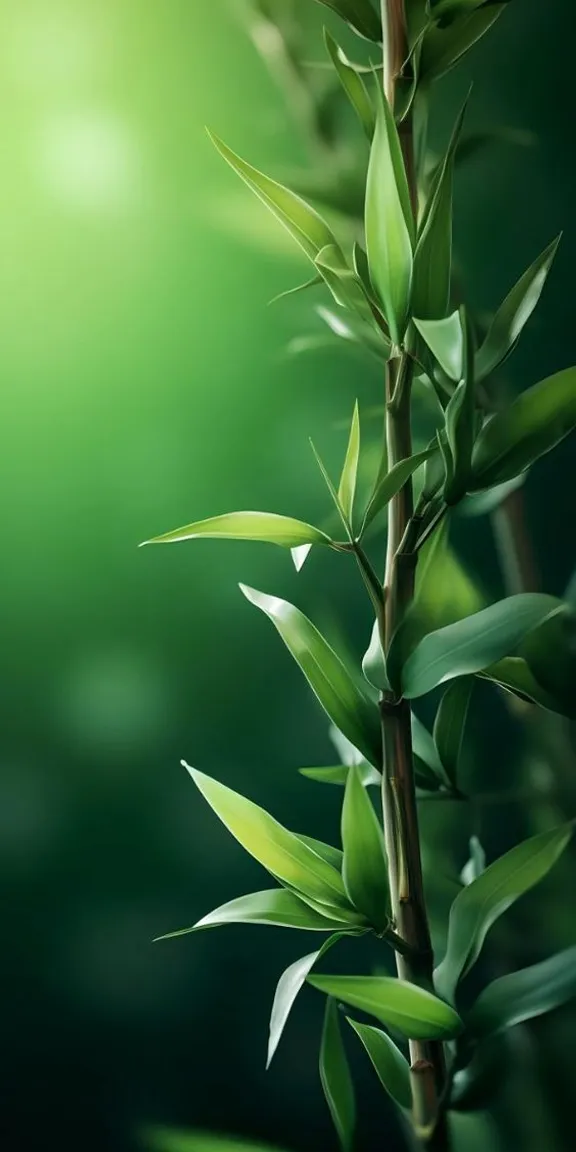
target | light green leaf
x=449, y=725
x=516, y=437
x=388, y=485
x=338, y=774
x=476, y=863
x=265, y=527
x=361, y=16
x=336, y=1078
x=364, y=869
x=473, y=644
x=523, y=995
x=478, y=905
x=433, y=255
x=174, y=1140
x=352, y=84
x=332, y=855
x=445, y=340
x=346, y=288
x=389, y=222
x=281, y=852
x=461, y=423
x=278, y=907
x=514, y=675
x=304, y=224
x=406, y=1007
x=374, y=662
x=287, y=989
x=347, y=486
x=442, y=48
x=513, y=313
x=355, y=330
x=388, y=1061
x=312, y=283
x=348, y=708
x=300, y=555
x=347, y=752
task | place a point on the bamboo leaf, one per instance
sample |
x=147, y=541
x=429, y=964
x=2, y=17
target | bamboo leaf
x=406, y=1007
x=374, y=662
x=364, y=869
x=481, y=503
x=336, y=1078
x=550, y=653
x=523, y=995
x=360, y=15
x=355, y=330
x=304, y=224
x=516, y=437
x=388, y=485
x=477, y=906
x=389, y=222
x=391, y=1066
x=449, y=725
x=473, y=644
x=281, y=852
x=430, y=771
x=352, y=84
x=445, y=340
x=443, y=47
x=287, y=989
x=346, y=288
x=461, y=423
x=514, y=675
x=277, y=907
x=476, y=863
x=312, y=283
x=347, y=486
x=174, y=1140
x=348, y=708
x=266, y=527
x=514, y=312
x=338, y=774
x=332, y=855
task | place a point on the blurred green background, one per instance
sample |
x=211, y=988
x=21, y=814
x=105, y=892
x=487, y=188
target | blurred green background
x=145, y=384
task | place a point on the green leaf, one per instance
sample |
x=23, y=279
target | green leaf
x=550, y=653
x=477, y=906
x=374, y=662
x=355, y=330
x=388, y=1061
x=347, y=486
x=429, y=770
x=336, y=1078
x=349, y=709
x=360, y=15
x=514, y=675
x=516, y=437
x=352, y=84
x=461, y=423
x=346, y=288
x=338, y=774
x=312, y=283
x=388, y=485
x=406, y=1007
x=473, y=644
x=523, y=995
x=481, y=503
x=445, y=340
x=476, y=863
x=277, y=907
x=173, y=1140
x=281, y=852
x=513, y=313
x=442, y=48
x=449, y=725
x=433, y=255
x=364, y=869
x=333, y=856
x=287, y=989
x=304, y=224
x=265, y=527
x=389, y=222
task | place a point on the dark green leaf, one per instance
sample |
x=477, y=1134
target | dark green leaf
x=265, y=527
x=347, y=485
x=287, y=989
x=513, y=313
x=281, y=852
x=473, y=644
x=388, y=485
x=400, y=1005
x=550, y=653
x=445, y=340
x=449, y=725
x=430, y=770
x=348, y=708
x=278, y=907
x=481, y=503
x=475, y=1086
x=517, y=436
x=433, y=255
x=478, y=905
x=389, y=222
x=361, y=16
x=352, y=84
x=523, y=995
x=364, y=869
x=443, y=47
x=514, y=675
x=338, y=774
x=336, y=1078
x=390, y=1065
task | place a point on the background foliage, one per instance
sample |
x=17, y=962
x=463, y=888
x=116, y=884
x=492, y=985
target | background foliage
x=145, y=384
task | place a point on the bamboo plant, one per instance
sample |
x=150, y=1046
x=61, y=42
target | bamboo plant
x=390, y=288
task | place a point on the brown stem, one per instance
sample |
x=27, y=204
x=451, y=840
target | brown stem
x=398, y=790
